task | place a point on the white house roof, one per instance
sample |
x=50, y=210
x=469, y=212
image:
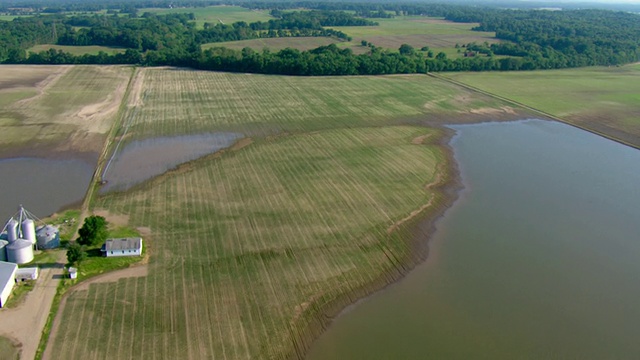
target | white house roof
x=123, y=244
x=7, y=272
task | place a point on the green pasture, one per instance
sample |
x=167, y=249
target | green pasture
x=605, y=99
x=215, y=14
x=276, y=44
x=250, y=246
x=418, y=31
x=77, y=50
x=181, y=101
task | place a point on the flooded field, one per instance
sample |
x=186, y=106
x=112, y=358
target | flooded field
x=43, y=186
x=141, y=160
x=536, y=260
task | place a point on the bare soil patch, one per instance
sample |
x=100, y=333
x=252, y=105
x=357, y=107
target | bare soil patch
x=115, y=219
x=20, y=76
x=134, y=271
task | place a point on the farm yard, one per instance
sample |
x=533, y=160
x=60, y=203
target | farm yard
x=601, y=99
x=252, y=247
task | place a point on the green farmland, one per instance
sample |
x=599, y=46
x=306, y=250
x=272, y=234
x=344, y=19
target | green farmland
x=277, y=44
x=216, y=14
x=77, y=50
x=418, y=31
x=605, y=100
x=251, y=248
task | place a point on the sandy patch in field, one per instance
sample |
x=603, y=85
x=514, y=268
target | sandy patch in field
x=114, y=276
x=135, y=99
x=117, y=220
x=494, y=111
x=32, y=76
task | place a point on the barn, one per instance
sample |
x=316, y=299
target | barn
x=122, y=247
x=7, y=280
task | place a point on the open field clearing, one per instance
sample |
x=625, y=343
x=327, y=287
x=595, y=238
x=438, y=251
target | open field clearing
x=168, y=102
x=59, y=108
x=216, y=14
x=77, y=50
x=252, y=248
x=418, y=31
x=247, y=246
x=277, y=44
x=602, y=99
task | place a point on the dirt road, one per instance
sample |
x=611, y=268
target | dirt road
x=24, y=324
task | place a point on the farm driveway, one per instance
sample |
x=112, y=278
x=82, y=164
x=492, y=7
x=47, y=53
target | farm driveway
x=25, y=323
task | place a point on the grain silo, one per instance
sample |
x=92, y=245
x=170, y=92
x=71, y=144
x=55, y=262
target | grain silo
x=20, y=251
x=29, y=231
x=47, y=237
x=12, y=230
x=3, y=251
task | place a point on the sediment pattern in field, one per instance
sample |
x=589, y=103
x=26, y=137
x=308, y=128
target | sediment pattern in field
x=251, y=248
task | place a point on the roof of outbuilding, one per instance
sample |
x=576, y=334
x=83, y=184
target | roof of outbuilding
x=6, y=272
x=123, y=244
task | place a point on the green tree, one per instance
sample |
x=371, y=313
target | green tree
x=76, y=254
x=93, y=231
x=406, y=49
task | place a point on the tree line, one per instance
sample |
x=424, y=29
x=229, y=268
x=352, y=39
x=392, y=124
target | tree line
x=532, y=39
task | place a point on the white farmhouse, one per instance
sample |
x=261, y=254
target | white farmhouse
x=122, y=247
x=7, y=280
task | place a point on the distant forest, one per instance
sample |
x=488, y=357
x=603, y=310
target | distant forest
x=531, y=39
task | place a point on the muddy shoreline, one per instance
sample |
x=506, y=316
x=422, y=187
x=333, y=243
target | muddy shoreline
x=421, y=228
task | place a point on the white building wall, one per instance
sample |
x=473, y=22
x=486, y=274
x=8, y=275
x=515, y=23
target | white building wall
x=132, y=252
x=6, y=288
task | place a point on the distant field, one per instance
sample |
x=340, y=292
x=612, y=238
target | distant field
x=215, y=14
x=276, y=44
x=64, y=107
x=77, y=50
x=177, y=102
x=247, y=247
x=418, y=31
x=599, y=98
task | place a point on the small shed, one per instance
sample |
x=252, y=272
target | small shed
x=7, y=280
x=73, y=273
x=24, y=274
x=122, y=247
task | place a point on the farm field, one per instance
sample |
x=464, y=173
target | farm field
x=602, y=99
x=216, y=14
x=8, y=349
x=77, y=50
x=418, y=31
x=49, y=109
x=277, y=44
x=250, y=247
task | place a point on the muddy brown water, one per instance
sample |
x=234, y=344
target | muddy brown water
x=537, y=259
x=141, y=160
x=42, y=186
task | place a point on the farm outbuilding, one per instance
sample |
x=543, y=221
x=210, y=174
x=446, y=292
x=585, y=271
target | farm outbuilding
x=48, y=237
x=24, y=274
x=20, y=251
x=7, y=280
x=122, y=247
x=3, y=251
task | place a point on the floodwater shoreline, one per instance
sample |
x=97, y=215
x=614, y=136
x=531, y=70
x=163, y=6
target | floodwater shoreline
x=447, y=191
